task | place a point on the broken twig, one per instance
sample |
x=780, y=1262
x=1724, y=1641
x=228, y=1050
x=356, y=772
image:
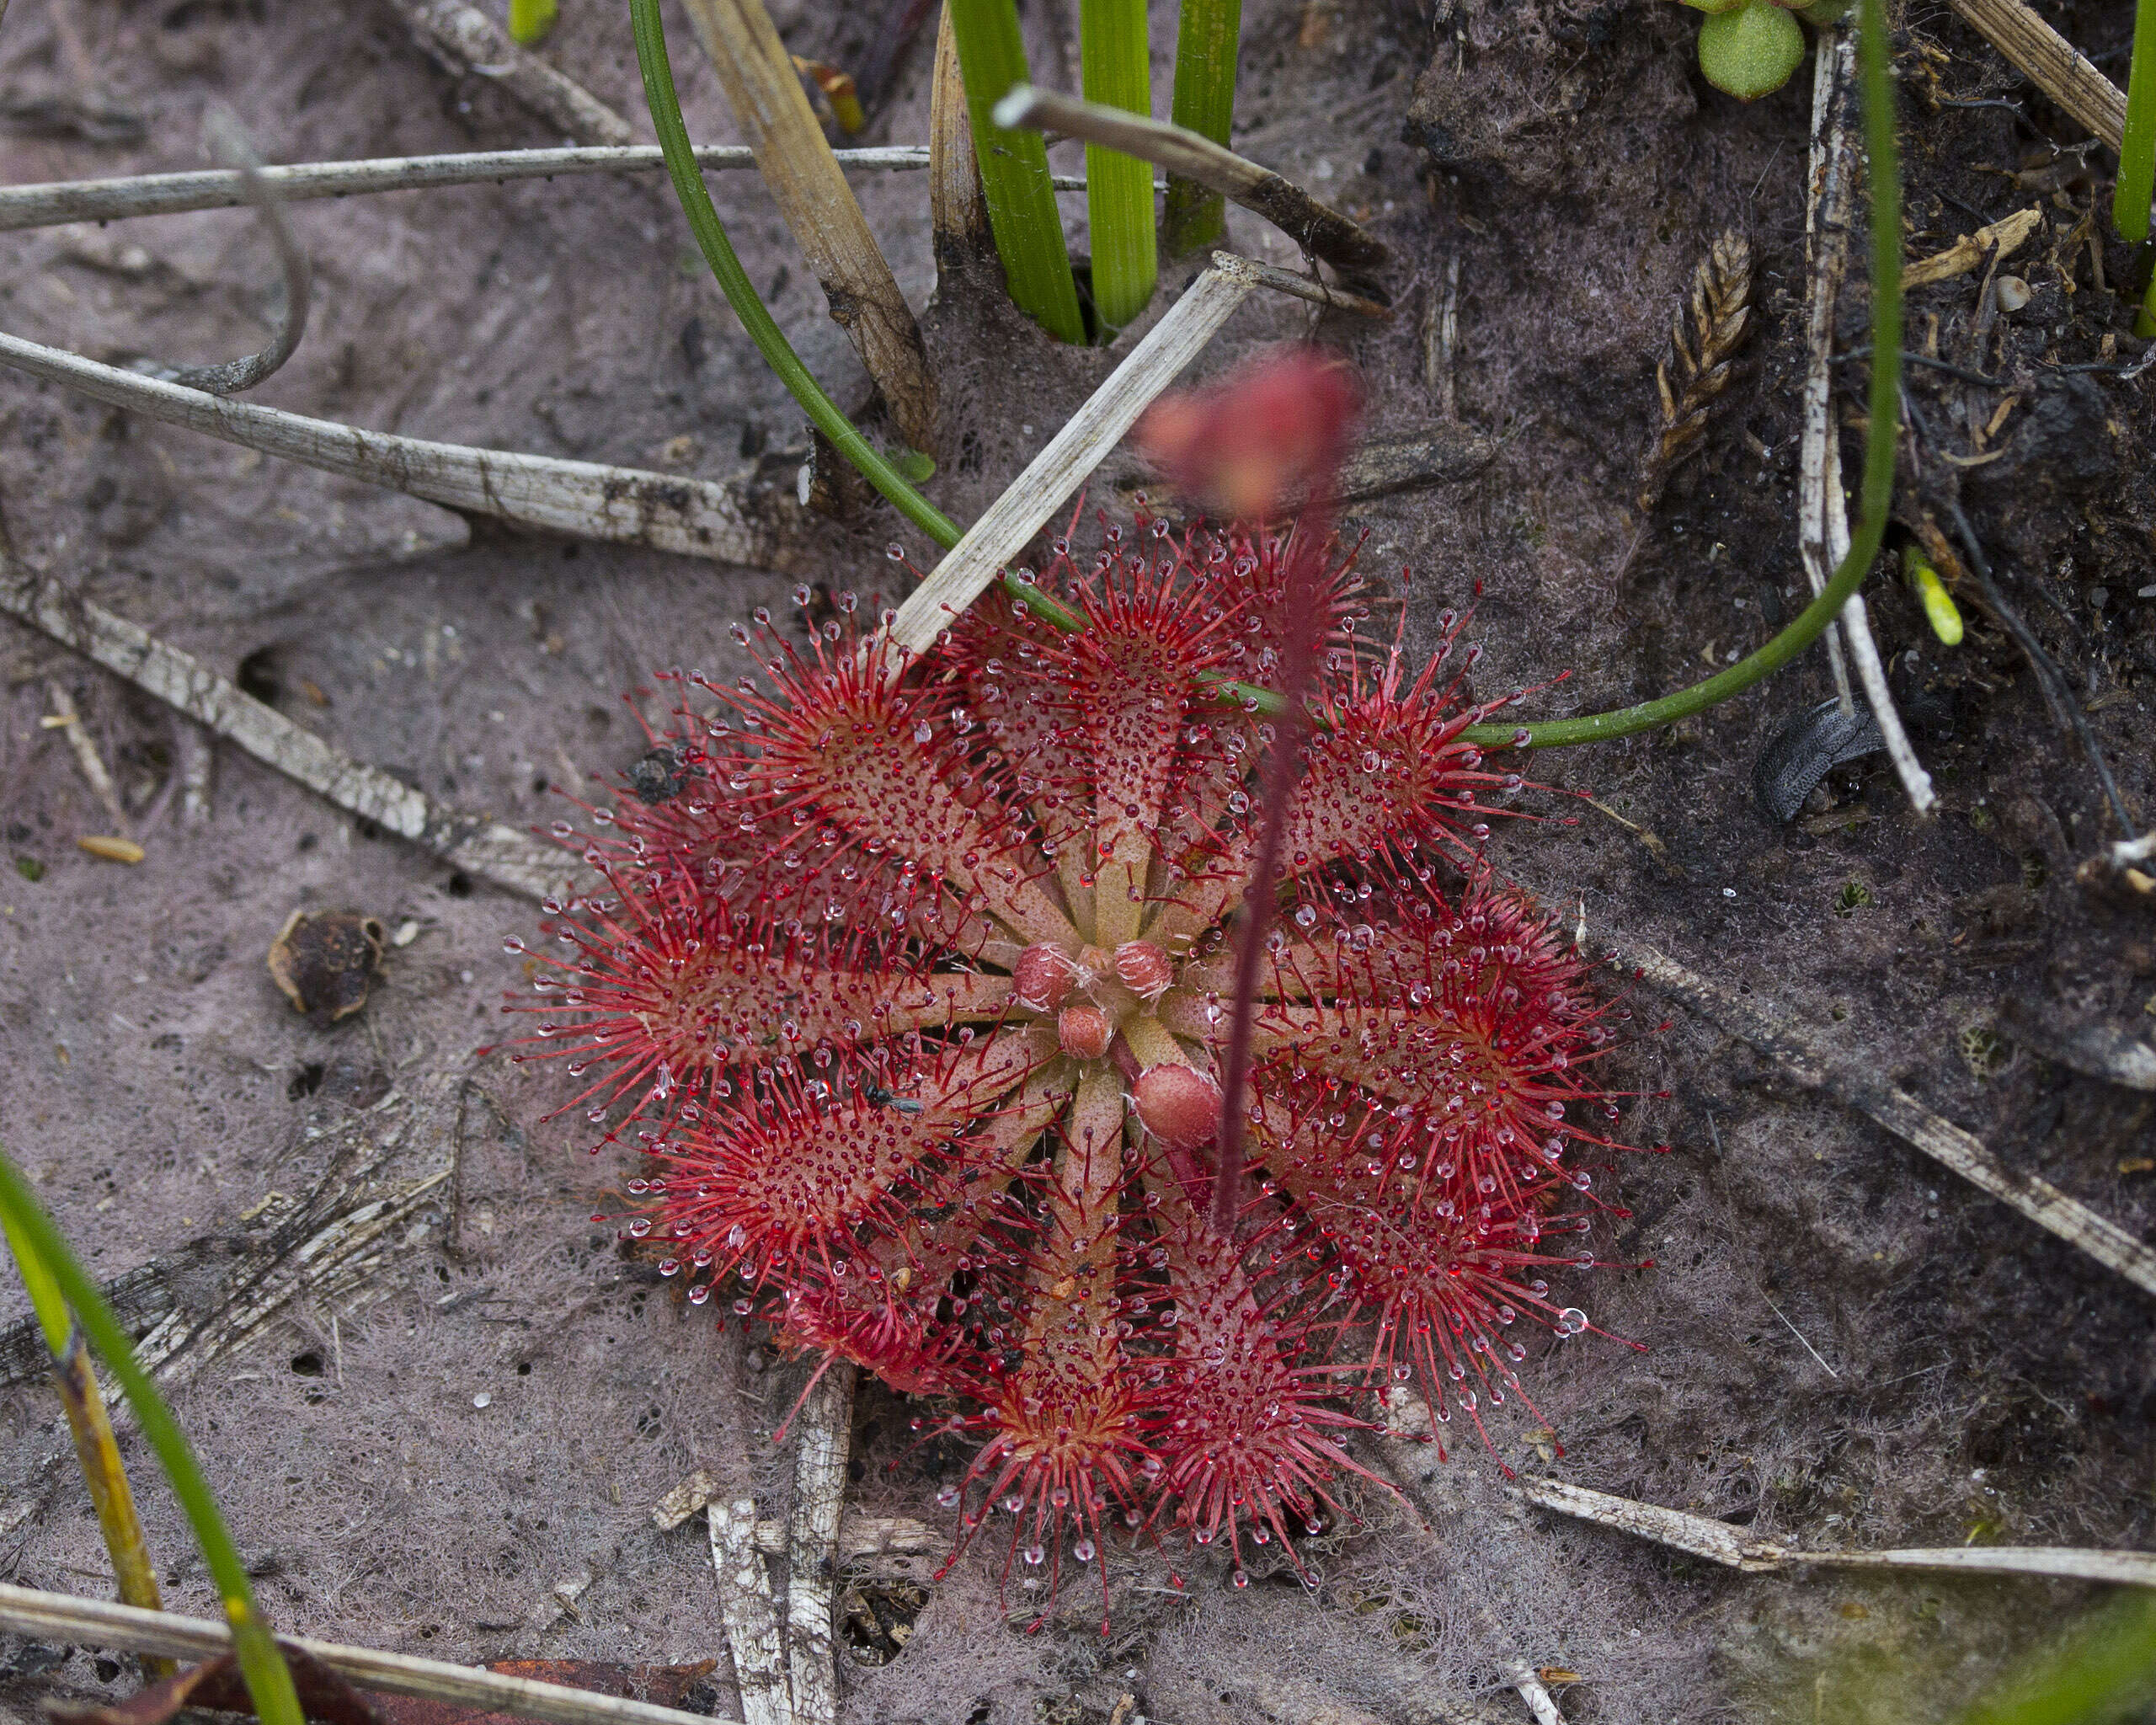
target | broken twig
x=1894, y=1109
x=64, y=1617
x=627, y=505
x=1719, y=1542
x=484, y=848
x=1318, y=228
x=68, y=721
x=824, y=1435
x=48, y=205
x=470, y=42
x=2051, y=63
x=1008, y=524
x=752, y=1618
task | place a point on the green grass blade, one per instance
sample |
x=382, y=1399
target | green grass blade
x=1113, y=50
x=2104, y=1670
x=1207, y=35
x=268, y=1681
x=1885, y=404
x=2137, y=149
x=1014, y=176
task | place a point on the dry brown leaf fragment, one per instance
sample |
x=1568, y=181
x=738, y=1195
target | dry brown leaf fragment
x=216, y=1686
x=2001, y=239
x=324, y=962
x=1720, y=318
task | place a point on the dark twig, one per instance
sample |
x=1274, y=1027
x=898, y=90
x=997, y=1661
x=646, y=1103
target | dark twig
x=1931, y=365
x=229, y=143
x=2056, y=695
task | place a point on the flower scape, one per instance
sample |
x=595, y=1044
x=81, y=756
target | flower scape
x=914, y=979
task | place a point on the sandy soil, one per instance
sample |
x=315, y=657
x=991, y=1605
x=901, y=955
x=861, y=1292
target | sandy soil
x=1843, y=1345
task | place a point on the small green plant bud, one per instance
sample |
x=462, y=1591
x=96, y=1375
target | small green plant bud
x=1750, y=51
x=1713, y=5
x=530, y=22
x=1939, y=609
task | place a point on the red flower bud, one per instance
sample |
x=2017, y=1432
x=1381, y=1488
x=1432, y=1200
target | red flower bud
x=1042, y=977
x=1180, y=1106
x=1085, y=1030
x=1144, y=968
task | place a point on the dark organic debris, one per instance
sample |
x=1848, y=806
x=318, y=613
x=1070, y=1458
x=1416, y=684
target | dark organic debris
x=2094, y=1048
x=1440, y=456
x=1805, y=749
x=658, y=777
x=215, y=1686
x=323, y=962
x=687, y=1688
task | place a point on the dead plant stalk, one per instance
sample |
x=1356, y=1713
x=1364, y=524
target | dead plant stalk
x=1823, y=511
x=64, y=1617
x=819, y=208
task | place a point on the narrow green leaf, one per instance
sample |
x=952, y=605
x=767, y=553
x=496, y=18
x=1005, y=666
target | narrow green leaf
x=1014, y=175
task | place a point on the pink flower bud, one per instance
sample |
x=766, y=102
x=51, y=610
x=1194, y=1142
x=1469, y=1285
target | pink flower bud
x=1085, y=1030
x=1144, y=968
x=1042, y=977
x=1180, y=1106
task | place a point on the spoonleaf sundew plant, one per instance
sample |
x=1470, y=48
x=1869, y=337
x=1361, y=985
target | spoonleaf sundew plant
x=913, y=980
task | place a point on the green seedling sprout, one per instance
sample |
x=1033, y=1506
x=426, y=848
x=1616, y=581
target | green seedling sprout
x=261, y=1666
x=1939, y=609
x=530, y=22
x=1207, y=35
x=1112, y=54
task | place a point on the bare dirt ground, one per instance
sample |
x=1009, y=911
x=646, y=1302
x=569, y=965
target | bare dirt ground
x=1844, y=1346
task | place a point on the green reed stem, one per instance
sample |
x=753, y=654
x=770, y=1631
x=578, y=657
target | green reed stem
x=1207, y=35
x=1880, y=438
x=2137, y=148
x=1014, y=176
x=261, y=1665
x=770, y=340
x=1114, y=53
